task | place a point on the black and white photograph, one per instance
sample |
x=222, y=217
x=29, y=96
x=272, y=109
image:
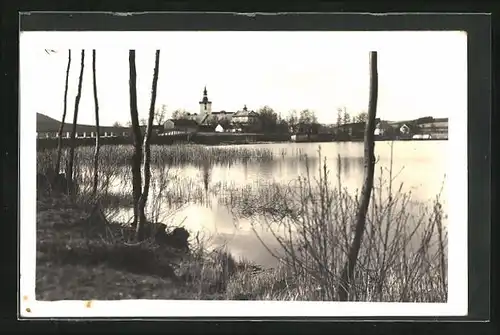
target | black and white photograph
x=201, y=172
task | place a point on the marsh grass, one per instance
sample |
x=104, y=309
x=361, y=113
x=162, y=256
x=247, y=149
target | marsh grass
x=403, y=255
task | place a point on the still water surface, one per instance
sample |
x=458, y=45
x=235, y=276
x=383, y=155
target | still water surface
x=420, y=165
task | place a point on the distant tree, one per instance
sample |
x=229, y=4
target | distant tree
x=117, y=124
x=293, y=121
x=128, y=124
x=346, y=117
x=307, y=119
x=143, y=122
x=212, y=121
x=282, y=127
x=180, y=114
x=225, y=123
x=361, y=117
x=340, y=113
x=160, y=115
x=268, y=119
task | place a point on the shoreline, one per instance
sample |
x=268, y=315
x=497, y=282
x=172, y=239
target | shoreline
x=47, y=144
x=73, y=264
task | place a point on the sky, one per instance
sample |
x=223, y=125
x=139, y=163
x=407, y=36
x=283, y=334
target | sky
x=420, y=73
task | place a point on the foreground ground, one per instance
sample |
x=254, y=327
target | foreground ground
x=77, y=261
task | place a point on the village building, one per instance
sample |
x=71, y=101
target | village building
x=219, y=129
x=405, y=129
x=382, y=128
x=245, y=117
x=184, y=125
x=209, y=117
x=205, y=105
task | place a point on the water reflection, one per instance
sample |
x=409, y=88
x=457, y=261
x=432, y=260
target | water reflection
x=418, y=166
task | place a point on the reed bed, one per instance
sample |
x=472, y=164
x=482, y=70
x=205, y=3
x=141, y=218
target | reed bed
x=404, y=252
x=173, y=155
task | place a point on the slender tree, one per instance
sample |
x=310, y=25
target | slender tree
x=71, y=184
x=59, y=137
x=160, y=115
x=147, y=153
x=97, y=144
x=369, y=162
x=136, y=136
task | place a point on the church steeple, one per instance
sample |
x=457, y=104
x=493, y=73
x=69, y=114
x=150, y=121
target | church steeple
x=205, y=97
x=205, y=104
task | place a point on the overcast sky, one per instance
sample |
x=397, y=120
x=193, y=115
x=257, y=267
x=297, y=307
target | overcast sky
x=420, y=73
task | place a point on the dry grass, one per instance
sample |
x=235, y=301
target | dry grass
x=79, y=259
x=404, y=252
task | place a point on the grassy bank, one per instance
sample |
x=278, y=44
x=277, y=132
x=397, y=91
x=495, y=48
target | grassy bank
x=76, y=259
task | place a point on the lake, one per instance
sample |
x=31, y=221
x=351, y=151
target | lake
x=419, y=165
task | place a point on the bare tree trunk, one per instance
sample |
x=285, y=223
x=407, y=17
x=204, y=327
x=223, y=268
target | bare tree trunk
x=369, y=160
x=97, y=144
x=59, y=139
x=71, y=184
x=136, y=135
x=147, y=153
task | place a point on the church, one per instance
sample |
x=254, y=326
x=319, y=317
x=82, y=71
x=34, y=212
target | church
x=206, y=116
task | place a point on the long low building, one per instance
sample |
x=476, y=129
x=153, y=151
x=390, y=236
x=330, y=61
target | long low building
x=48, y=127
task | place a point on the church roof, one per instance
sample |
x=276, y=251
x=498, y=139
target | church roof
x=245, y=112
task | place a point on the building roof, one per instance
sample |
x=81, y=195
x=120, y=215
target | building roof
x=352, y=125
x=46, y=124
x=245, y=112
x=222, y=112
x=184, y=123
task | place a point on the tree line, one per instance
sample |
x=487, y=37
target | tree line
x=269, y=121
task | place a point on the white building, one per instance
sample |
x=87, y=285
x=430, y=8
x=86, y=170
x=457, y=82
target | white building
x=219, y=129
x=404, y=129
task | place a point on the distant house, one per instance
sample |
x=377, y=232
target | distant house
x=355, y=129
x=382, y=128
x=219, y=129
x=245, y=117
x=155, y=130
x=48, y=127
x=168, y=125
x=204, y=128
x=181, y=125
x=405, y=129
x=219, y=116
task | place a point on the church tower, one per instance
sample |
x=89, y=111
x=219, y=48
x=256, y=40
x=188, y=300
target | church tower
x=205, y=105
